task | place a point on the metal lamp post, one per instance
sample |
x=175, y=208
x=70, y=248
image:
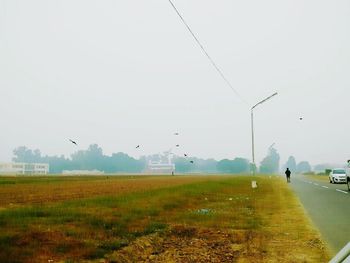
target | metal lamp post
x=252, y=124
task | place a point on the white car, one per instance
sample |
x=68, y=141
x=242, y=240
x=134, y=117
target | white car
x=338, y=175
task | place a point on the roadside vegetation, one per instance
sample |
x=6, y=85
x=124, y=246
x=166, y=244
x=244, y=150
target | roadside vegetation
x=319, y=177
x=155, y=219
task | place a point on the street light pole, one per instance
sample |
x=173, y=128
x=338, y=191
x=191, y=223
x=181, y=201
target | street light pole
x=252, y=126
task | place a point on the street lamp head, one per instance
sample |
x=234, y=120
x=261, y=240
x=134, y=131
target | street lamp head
x=266, y=99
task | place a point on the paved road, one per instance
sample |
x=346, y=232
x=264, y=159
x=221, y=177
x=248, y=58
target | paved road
x=328, y=206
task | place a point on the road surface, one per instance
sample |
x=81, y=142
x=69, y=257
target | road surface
x=328, y=206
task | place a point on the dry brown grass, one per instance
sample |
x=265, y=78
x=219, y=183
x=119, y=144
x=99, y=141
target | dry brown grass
x=41, y=191
x=278, y=231
x=289, y=234
x=157, y=219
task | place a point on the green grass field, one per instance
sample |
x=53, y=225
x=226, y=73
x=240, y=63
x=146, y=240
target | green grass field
x=154, y=219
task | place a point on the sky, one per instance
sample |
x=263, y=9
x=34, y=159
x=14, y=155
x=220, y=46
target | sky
x=123, y=73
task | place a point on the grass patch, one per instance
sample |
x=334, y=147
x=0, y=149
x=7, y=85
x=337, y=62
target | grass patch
x=97, y=226
x=321, y=178
x=2, y=182
x=154, y=227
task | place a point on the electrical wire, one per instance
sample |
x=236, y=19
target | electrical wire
x=206, y=53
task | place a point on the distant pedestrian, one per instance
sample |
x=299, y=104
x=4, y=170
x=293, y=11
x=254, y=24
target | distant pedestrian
x=288, y=175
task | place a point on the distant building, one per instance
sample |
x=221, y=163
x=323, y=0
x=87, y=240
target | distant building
x=160, y=168
x=82, y=172
x=24, y=168
x=161, y=164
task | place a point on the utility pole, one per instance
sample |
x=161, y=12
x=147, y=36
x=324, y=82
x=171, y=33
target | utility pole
x=252, y=126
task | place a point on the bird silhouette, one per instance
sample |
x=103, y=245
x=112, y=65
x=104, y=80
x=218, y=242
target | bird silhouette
x=177, y=145
x=138, y=146
x=301, y=118
x=191, y=161
x=185, y=154
x=176, y=133
x=73, y=142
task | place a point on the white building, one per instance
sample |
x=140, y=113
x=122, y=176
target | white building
x=160, y=168
x=163, y=165
x=24, y=168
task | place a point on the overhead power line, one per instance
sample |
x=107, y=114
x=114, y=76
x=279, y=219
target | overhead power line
x=206, y=53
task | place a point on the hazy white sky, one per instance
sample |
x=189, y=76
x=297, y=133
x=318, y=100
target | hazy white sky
x=122, y=73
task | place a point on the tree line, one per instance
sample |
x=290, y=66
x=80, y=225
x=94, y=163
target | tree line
x=94, y=159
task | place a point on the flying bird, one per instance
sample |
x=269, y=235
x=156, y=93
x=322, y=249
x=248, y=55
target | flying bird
x=191, y=161
x=177, y=145
x=138, y=146
x=185, y=154
x=301, y=118
x=73, y=142
x=176, y=133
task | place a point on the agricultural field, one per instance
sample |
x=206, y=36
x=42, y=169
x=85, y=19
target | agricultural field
x=154, y=219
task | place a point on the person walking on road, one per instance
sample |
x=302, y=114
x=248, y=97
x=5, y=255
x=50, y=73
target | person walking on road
x=288, y=175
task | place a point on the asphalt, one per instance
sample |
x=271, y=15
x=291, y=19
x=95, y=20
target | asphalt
x=328, y=206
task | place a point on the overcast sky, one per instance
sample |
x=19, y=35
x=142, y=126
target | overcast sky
x=123, y=73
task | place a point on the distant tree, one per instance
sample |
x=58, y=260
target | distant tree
x=270, y=164
x=238, y=165
x=93, y=158
x=322, y=167
x=89, y=159
x=183, y=165
x=121, y=162
x=291, y=164
x=57, y=164
x=25, y=155
x=206, y=165
x=224, y=166
x=303, y=167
